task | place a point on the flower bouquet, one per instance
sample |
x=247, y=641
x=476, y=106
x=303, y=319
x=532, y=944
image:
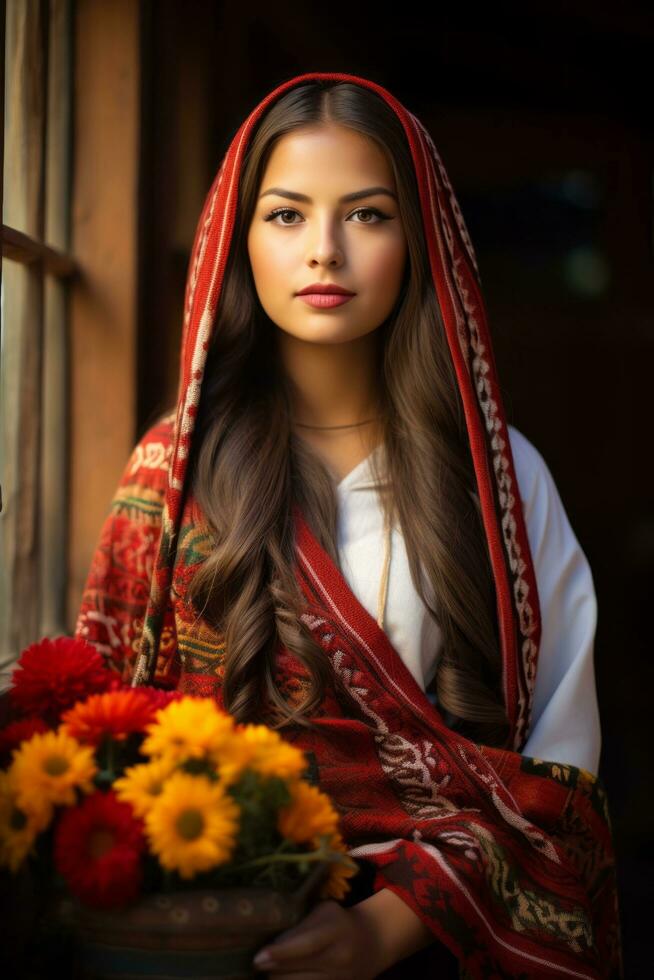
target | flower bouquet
x=152, y=826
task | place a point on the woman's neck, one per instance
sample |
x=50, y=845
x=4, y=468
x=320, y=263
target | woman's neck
x=332, y=384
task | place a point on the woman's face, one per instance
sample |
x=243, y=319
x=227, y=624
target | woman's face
x=358, y=244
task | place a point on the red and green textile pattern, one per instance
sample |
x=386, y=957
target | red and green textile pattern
x=507, y=859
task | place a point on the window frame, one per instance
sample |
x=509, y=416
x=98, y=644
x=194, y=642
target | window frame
x=36, y=269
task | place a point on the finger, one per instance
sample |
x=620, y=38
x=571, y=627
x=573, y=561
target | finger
x=305, y=945
x=321, y=913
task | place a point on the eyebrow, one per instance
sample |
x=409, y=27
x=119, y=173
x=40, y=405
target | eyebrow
x=354, y=196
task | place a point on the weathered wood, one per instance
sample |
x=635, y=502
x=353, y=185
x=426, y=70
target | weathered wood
x=103, y=311
x=19, y=247
x=53, y=500
x=22, y=342
x=2, y=168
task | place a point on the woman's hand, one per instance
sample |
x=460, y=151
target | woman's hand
x=330, y=942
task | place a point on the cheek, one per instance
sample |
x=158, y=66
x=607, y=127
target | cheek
x=385, y=266
x=257, y=256
x=270, y=265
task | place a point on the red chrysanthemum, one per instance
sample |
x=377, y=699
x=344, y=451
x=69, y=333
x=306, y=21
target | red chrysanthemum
x=97, y=849
x=16, y=732
x=53, y=674
x=160, y=697
x=113, y=714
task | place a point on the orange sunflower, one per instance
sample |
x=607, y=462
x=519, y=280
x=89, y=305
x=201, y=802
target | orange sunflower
x=309, y=814
x=336, y=883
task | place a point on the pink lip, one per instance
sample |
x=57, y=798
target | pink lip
x=324, y=299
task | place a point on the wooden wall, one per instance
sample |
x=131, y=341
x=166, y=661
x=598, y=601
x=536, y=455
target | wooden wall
x=103, y=311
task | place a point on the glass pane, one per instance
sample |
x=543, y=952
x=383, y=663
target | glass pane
x=54, y=433
x=22, y=326
x=22, y=205
x=20, y=408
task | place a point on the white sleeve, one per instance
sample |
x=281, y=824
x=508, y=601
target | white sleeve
x=565, y=723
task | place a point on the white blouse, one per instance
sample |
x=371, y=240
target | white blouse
x=565, y=724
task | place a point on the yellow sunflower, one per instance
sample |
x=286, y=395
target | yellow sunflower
x=142, y=784
x=192, y=825
x=336, y=883
x=309, y=814
x=18, y=828
x=49, y=768
x=264, y=751
x=187, y=728
x=232, y=758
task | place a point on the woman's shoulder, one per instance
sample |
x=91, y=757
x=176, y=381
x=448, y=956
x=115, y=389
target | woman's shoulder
x=149, y=460
x=551, y=535
x=141, y=490
x=535, y=481
x=565, y=723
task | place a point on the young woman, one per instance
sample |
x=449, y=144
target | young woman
x=337, y=533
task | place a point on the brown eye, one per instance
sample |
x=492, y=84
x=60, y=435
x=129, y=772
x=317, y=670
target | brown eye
x=378, y=214
x=279, y=211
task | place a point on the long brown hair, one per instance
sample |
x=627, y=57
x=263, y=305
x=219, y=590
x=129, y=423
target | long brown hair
x=248, y=467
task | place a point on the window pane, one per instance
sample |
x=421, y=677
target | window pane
x=54, y=433
x=24, y=117
x=22, y=334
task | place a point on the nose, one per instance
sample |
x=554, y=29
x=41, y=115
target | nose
x=326, y=249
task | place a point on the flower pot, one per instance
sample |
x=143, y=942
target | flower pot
x=182, y=934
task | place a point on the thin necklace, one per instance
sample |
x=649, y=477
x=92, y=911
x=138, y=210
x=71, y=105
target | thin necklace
x=383, y=585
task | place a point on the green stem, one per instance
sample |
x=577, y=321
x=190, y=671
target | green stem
x=111, y=758
x=323, y=854
x=274, y=858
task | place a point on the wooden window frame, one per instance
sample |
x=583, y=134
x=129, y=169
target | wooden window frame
x=84, y=259
x=35, y=272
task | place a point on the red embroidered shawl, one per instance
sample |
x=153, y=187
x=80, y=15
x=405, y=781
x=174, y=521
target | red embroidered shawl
x=507, y=859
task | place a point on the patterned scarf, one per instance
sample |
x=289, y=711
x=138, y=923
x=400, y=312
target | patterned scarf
x=507, y=859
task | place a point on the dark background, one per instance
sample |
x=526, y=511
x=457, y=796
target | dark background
x=541, y=115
